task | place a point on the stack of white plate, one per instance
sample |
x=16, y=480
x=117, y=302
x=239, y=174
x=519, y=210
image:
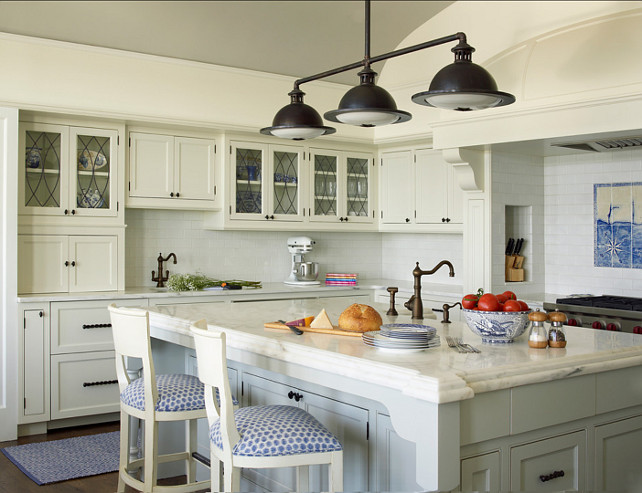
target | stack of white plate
x=402, y=337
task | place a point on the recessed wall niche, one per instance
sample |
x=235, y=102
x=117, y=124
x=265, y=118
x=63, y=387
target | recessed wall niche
x=519, y=229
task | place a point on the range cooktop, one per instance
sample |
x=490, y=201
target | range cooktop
x=609, y=302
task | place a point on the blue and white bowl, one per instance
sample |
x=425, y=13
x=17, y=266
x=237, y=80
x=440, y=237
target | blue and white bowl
x=497, y=327
x=88, y=160
x=90, y=199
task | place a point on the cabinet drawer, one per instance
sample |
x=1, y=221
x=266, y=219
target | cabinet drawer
x=78, y=326
x=553, y=464
x=83, y=384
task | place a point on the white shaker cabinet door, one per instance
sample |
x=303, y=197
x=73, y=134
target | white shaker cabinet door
x=194, y=170
x=151, y=165
x=432, y=187
x=35, y=366
x=397, y=188
x=481, y=473
x=41, y=264
x=95, y=260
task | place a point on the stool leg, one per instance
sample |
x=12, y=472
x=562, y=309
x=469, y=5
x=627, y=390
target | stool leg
x=191, y=447
x=215, y=471
x=151, y=454
x=123, y=465
x=336, y=472
x=303, y=478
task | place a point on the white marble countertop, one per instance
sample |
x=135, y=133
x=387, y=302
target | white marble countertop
x=436, y=375
x=270, y=288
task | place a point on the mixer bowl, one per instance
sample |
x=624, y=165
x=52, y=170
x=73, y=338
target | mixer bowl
x=306, y=271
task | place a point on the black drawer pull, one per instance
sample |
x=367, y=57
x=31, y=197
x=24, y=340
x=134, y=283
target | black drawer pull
x=555, y=474
x=104, y=382
x=295, y=395
x=95, y=326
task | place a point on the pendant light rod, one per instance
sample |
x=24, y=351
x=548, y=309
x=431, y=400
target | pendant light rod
x=366, y=56
x=365, y=62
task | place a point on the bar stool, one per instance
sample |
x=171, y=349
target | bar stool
x=175, y=397
x=257, y=436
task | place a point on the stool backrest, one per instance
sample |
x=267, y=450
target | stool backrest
x=130, y=329
x=212, y=371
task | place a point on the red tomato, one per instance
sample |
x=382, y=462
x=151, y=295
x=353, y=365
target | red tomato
x=502, y=298
x=510, y=295
x=469, y=301
x=523, y=305
x=512, y=306
x=488, y=303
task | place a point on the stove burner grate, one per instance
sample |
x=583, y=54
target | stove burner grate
x=611, y=302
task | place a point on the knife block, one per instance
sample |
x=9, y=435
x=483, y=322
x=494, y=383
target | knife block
x=514, y=271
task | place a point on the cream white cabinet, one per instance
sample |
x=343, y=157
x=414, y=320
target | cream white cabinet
x=167, y=171
x=68, y=171
x=418, y=192
x=393, y=470
x=341, y=187
x=33, y=362
x=617, y=452
x=348, y=422
x=266, y=182
x=62, y=263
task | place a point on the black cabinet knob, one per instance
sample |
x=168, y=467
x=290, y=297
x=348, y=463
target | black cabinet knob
x=171, y=194
x=66, y=211
x=178, y=194
x=407, y=219
x=73, y=212
x=447, y=219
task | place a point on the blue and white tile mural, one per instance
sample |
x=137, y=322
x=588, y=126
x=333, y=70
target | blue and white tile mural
x=618, y=225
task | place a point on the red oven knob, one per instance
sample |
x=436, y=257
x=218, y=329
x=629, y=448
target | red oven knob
x=613, y=326
x=597, y=325
x=637, y=329
x=573, y=322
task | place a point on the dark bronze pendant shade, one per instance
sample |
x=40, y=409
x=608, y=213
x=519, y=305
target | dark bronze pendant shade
x=460, y=86
x=463, y=85
x=297, y=120
x=367, y=105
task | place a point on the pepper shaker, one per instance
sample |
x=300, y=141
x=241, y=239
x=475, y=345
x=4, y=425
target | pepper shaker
x=392, y=311
x=537, y=336
x=556, y=336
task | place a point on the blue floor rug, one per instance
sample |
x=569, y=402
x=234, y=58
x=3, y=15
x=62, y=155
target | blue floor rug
x=60, y=460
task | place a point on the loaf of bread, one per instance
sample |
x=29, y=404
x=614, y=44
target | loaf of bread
x=360, y=318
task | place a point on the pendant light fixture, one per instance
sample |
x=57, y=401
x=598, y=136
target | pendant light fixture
x=461, y=86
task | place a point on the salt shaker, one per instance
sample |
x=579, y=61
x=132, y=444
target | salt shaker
x=537, y=335
x=556, y=336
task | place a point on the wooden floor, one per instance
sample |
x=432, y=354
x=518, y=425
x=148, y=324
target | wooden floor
x=12, y=480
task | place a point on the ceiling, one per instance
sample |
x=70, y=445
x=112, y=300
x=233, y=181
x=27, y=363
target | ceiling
x=294, y=38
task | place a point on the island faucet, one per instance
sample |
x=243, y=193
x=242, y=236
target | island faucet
x=159, y=279
x=414, y=303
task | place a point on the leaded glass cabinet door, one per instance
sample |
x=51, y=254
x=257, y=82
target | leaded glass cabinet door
x=325, y=185
x=44, y=177
x=286, y=183
x=248, y=180
x=358, y=188
x=93, y=164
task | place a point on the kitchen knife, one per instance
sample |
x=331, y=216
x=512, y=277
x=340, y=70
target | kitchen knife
x=509, y=246
x=294, y=329
x=518, y=247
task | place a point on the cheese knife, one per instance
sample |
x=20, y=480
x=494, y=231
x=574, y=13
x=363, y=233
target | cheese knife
x=294, y=329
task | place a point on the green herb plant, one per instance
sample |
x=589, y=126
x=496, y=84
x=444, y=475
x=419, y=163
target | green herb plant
x=197, y=282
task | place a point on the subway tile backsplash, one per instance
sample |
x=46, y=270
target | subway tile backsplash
x=263, y=256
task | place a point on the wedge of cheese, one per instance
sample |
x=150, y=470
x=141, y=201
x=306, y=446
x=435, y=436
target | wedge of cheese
x=322, y=321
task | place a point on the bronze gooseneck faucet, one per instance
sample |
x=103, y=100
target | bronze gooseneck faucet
x=414, y=303
x=159, y=279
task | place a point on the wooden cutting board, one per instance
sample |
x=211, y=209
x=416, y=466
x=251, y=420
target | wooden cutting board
x=336, y=330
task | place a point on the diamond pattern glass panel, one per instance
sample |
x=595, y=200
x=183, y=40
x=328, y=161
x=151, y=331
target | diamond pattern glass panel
x=325, y=185
x=357, y=187
x=93, y=172
x=286, y=181
x=249, y=169
x=42, y=169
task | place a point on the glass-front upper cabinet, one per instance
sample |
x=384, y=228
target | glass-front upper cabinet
x=358, y=188
x=266, y=182
x=341, y=187
x=325, y=185
x=68, y=171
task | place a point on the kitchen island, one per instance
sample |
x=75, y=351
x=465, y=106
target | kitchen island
x=486, y=417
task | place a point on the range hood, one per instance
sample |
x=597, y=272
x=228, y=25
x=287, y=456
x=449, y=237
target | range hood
x=602, y=145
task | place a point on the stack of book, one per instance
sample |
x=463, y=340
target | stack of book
x=333, y=279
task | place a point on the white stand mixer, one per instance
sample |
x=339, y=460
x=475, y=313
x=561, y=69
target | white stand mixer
x=302, y=273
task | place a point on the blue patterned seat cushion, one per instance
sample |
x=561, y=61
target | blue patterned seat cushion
x=176, y=392
x=268, y=431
